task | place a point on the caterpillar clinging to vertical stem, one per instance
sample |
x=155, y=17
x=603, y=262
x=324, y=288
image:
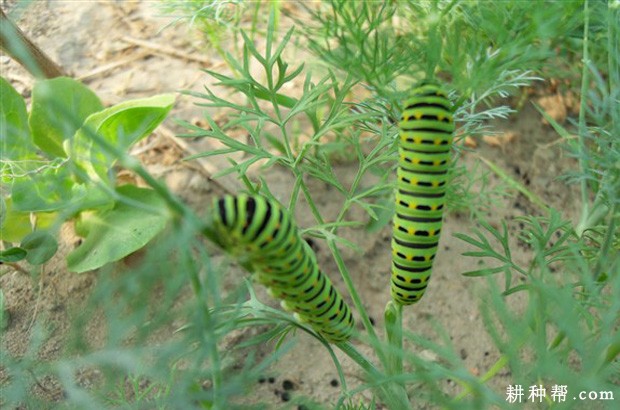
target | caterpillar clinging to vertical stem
x=265, y=235
x=426, y=129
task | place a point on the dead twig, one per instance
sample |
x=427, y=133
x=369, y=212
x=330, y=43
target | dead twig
x=16, y=266
x=15, y=43
x=114, y=64
x=161, y=49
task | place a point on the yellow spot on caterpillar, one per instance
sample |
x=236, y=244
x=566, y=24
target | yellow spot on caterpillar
x=413, y=182
x=412, y=206
x=437, y=163
x=437, y=141
x=417, y=115
x=417, y=140
x=411, y=231
x=436, y=184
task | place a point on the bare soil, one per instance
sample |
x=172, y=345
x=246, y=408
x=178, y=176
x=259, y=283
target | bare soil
x=122, y=50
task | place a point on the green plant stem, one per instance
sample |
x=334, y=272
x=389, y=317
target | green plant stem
x=583, y=165
x=343, y=379
x=394, y=334
x=357, y=301
x=393, y=394
x=613, y=59
x=358, y=358
x=499, y=365
x=535, y=199
x=607, y=244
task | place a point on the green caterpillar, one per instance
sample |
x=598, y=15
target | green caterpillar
x=265, y=235
x=426, y=129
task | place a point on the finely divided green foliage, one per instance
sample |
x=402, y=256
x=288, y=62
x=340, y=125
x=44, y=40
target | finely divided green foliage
x=364, y=39
x=572, y=280
x=568, y=331
x=475, y=47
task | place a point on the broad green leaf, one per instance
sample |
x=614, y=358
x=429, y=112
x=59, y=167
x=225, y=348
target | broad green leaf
x=16, y=225
x=53, y=189
x=44, y=190
x=115, y=233
x=59, y=108
x=40, y=245
x=14, y=254
x=120, y=127
x=16, y=140
x=81, y=224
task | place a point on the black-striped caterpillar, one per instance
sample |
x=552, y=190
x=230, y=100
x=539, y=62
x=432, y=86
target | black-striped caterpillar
x=265, y=235
x=426, y=129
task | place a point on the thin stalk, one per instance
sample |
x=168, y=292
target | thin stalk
x=583, y=165
x=394, y=334
x=17, y=45
x=501, y=362
x=351, y=288
x=358, y=358
x=499, y=365
x=357, y=301
x=344, y=272
x=343, y=379
x=17, y=267
x=607, y=244
x=613, y=59
x=393, y=394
